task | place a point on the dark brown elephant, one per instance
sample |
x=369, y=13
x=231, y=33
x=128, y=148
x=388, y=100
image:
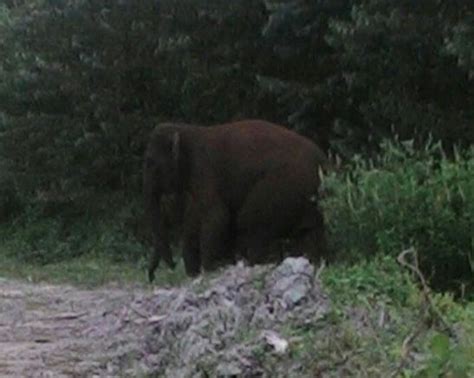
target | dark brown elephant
x=239, y=186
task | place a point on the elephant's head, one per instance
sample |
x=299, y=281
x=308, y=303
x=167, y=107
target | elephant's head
x=162, y=176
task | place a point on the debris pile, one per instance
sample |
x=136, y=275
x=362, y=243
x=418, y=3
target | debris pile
x=219, y=329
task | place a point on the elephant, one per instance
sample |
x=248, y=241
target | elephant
x=238, y=187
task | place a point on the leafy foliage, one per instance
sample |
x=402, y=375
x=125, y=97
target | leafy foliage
x=398, y=78
x=407, y=197
x=83, y=82
x=448, y=357
x=45, y=235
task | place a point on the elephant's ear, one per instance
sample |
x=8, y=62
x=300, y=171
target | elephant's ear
x=175, y=150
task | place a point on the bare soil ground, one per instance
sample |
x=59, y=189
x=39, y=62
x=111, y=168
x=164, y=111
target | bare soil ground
x=212, y=327
x=48, y=330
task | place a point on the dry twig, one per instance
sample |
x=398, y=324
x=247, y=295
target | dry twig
x=428, y=305
x=426, y=289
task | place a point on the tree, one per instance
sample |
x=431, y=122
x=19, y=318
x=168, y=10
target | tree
x=397, y=75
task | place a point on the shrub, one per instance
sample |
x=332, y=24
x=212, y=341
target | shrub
x=408, y=198
x=447, y=357
x=10, y=202
x=49, y=234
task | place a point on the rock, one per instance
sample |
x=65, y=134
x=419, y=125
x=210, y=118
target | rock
x=188, y=332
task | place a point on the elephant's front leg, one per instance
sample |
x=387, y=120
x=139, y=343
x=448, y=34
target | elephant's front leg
x=191, y=233
x=160, y=233
x=216, y=238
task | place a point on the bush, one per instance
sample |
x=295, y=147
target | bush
x=51, y=233
x=404, y=198
x=10, y=201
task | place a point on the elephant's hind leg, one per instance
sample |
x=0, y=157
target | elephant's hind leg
x=216, y=238
x=269, y=212
x=191, y=252
x=311, y=240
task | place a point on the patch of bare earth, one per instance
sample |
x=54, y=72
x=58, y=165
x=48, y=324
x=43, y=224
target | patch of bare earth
x=46, y=330
x=211, y=327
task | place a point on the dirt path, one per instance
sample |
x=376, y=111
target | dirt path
x=51, y=331
x=208, y=327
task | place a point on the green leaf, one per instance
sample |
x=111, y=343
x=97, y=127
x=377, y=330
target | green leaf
x=440, y=346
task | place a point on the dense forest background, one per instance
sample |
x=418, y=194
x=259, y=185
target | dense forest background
x=82, y=83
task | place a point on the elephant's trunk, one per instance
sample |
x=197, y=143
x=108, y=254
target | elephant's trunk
x=160, y=233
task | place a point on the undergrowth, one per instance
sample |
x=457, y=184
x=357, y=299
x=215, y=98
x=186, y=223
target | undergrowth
x=105, y=243
x=386, y=320
x=407, y=198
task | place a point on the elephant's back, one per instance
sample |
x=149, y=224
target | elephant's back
x=247, y=152
x=263, y=140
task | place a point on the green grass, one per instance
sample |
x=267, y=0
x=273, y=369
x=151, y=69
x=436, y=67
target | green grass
x=89, y=271
x=81, y=271
x=375, y=308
